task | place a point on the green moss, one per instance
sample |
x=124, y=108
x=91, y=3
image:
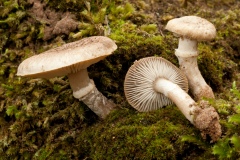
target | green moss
x=138, y=135
x=40, y=119
x=218, y=67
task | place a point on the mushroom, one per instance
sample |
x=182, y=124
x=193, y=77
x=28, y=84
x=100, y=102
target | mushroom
x=192, y=29
x=72, y=59
x=154, y=82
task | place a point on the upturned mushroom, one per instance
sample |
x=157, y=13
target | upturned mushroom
x=72, y=59
x=192, y=29
x=154, y=82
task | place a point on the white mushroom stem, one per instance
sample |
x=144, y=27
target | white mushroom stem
x=84, y=90
x=187, y=47
x=80, y=83
x=203, y=117
x=182, y=100
x=187, y=56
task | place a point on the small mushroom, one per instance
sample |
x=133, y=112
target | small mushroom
x=154, y=82
x=72, y=59
x=192, y=29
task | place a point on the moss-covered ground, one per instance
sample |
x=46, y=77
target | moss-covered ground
x=40, y=119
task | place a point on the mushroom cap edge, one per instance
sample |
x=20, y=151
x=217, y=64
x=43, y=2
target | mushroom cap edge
x=68, y=58
x=139, y=81
x=192, y=27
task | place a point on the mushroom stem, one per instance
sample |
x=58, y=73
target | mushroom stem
x=203, y=117
x=80, y=83
x=187, y=56
x=182, y=100
x=98, y=103
x=84, y=89
x=187, y=47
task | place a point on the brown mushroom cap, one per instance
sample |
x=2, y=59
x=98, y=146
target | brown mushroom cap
x=140, y=79
x=192, y=27
x=68, y=58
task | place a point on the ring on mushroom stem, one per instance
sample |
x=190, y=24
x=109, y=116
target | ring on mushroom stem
x=72, y=59
x=192, y=29
x=154, y=82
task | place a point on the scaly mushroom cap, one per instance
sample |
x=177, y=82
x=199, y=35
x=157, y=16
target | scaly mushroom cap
x=192, y=27
x=140, y=79
x=68, y=58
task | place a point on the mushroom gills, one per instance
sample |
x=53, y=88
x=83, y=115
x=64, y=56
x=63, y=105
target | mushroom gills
x=154, y=82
